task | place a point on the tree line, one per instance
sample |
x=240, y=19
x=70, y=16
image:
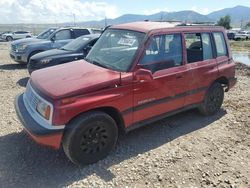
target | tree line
x=226, y=22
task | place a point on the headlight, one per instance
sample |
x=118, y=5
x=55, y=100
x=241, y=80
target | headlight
x=45, y=61
x=43, y=109
x=21, y=48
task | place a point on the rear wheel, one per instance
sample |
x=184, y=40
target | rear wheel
x=9, y=38
x=90, y=137
x=213, y=100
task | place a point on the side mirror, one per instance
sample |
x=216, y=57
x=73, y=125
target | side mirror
x=143, y=75
x=53, y=39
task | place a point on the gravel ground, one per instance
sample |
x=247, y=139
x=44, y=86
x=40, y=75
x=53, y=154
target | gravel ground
x=186, y=150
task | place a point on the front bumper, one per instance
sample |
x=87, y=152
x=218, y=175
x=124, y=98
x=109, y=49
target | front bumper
x=18, y=57
x=42, y=135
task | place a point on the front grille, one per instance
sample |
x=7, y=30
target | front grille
x=31, y=97
x=13, y=48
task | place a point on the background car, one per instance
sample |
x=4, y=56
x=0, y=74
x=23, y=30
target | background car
x=242, y=35
x=16, y=35
x=76, y=49
x=231, y=35
x=22, y=50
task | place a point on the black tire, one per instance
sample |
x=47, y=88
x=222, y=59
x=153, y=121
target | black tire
x=213, y=100
x=90, y=137
x=9, y=38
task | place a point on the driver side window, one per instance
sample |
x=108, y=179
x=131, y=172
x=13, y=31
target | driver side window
x=63, y=35
x=163, y=52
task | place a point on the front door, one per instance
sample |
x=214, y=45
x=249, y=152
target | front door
x=61, y=38
x=164, y=58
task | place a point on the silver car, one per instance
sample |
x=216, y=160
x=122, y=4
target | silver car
x=16, y=35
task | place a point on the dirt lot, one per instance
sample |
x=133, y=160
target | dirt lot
x=186, y=150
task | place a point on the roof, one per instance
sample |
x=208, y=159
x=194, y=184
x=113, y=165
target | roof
x=144, y=26
x=147, y=26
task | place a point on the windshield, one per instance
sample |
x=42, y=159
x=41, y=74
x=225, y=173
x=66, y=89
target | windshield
x=77, y=44
x=116, y=49
x=45, y=34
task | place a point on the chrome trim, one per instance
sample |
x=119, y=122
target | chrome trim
x=36, y=116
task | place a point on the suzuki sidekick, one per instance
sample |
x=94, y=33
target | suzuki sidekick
x=135, y=74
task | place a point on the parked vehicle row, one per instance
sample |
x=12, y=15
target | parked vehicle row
x=135, y=74
x=74, y=50
x=241, y=35
x=22, y=50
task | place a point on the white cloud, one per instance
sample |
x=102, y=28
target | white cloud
x=154, y=11
x=51, y=11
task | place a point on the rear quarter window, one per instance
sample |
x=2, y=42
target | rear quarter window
x=220, y=44
x=80, y=32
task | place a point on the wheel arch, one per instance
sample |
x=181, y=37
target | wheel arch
x=112, y=112
x=9, y=36
x=223, y=81
x=33, y=53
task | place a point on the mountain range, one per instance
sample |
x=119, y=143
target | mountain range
x=239, y=15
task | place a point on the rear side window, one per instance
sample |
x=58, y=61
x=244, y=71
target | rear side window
x=21, y=32
x=220, y=44
x=199, y=47
x=80, y=32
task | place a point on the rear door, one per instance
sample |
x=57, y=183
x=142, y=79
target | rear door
x=17, y=35
x=164, y=58
x=201, y=63
x=220, y=48
x=223, y=58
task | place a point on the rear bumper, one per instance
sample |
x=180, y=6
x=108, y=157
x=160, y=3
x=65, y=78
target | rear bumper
x=42, y=135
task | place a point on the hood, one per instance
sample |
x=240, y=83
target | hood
x=50, y=53
x=72, y=79
x=28, y=41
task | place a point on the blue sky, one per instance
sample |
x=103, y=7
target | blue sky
x=202, y=6
x=58, y=11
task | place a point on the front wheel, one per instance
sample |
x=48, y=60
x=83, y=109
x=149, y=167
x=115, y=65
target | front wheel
x=213, y=100
x=90, y=137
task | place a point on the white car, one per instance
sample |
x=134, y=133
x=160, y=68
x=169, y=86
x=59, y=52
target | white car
x=16, y=35
x=242, y=35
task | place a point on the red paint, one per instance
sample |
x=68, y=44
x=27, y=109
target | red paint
x=53, y=141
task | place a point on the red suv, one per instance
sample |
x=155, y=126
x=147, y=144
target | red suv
x=136, y=73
